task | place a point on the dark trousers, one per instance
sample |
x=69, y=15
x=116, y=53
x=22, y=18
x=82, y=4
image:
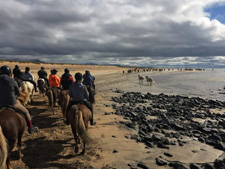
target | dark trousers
x=34, y=83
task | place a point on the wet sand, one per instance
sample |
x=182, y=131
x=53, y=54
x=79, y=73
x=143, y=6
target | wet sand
x=53, y=147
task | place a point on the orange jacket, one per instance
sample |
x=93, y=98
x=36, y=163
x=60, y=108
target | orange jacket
x=54, y=81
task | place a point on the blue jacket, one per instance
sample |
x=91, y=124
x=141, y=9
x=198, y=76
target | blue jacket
x=78, y=92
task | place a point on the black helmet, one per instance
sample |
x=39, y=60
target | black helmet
x=87, y=72
x=54, y=71
x=78, y=76
x=27, y=69
x=16, y=66
x=66, y=70
x=5, y=70
x=42, y=68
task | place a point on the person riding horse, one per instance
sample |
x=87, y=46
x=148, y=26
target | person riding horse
x=66, y=79
x=27, y=76
x=9, y=91
x=54, y=83
x=79, y=94
x=17, y=74
x=43, y=74
x=88, y=79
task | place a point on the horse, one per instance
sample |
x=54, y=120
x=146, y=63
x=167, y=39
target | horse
x=141, y=79
x=63, y=101
x=3, y=150
x=149, y=80
x=91, y=92
x=29, y=87
x=13, y=125
x=52, y=94
x=79, y=116
x=43, y=87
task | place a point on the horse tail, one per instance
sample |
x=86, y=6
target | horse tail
x=3, y=150
x=50, y=97
x=91, y=94
x=81, y=129
x=41, y=85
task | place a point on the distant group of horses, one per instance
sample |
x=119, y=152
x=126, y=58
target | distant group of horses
x=13, y=124
x=149, y=80
x=140, y=69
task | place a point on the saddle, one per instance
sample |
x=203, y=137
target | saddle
x=7, y=108
x=11, y=108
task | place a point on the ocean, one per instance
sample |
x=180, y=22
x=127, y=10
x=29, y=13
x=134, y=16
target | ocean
x=208, y=84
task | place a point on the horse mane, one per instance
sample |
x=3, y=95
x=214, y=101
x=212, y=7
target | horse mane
x=3, y=150
x=24, y=94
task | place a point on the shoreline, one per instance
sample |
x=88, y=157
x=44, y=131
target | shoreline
x=53, y=146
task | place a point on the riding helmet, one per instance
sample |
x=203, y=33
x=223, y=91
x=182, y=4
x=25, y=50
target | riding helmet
x=78, y=76
x=27, y=69
x=54, y=71
x=42, y=68
x=17, y=66
x=66, y=70
x=5, y=70
x=87, y=72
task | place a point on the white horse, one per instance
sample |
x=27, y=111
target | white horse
x=149, y=80
x=141, y=79
x=28, y=88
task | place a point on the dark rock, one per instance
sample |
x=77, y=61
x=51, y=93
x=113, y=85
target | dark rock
x=219, y=146
x=142, y=165
x=161, y=145
x=194, y=166
x=115, y=151
x=160, y=161
x=208, y=166
x=178, y=165
x=219, y=163
x=168, y=154
x=132, y=166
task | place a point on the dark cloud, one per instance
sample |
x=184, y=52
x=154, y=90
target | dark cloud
x=110, y=30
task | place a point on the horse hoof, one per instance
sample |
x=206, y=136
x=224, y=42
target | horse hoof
x=76, y=150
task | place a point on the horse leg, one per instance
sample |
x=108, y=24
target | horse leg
x=84, y=148
x=75, y=138
x=19, y=144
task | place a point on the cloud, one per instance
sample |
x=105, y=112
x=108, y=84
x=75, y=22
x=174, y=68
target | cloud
x=108, y=31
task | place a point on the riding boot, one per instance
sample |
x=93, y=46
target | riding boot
x=92, y=119
x=32, y=129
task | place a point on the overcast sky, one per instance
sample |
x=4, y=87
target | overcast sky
x=127, y=32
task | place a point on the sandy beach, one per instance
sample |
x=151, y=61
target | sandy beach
x=116, y=146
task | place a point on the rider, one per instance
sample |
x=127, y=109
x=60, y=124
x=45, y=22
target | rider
x=43, y=74
x=17, y=72
x=27, y=76
x=54, y=82
x=88, y=79
x=9, y=91
x=66, y=79
x=78, y=92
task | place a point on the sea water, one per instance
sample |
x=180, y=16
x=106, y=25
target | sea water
x=208, y=84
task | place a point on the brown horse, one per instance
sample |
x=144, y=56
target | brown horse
x=13, y=125
x=52, y=94
x=3, y=150
x=91, y=92
x=63, y=101
x=79, y=116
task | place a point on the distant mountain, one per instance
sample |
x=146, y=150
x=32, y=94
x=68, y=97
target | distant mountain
x=25, y=60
